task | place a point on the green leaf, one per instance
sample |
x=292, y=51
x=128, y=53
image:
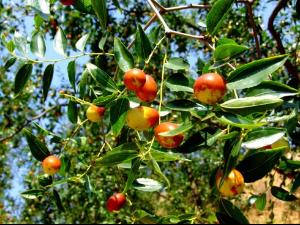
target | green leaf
x=179, y=130
x=10, y=46
x=184, y=105
x=118, y=155
x=103, y=40
x=47, y=80
x=45, y=180
x=132, y=174
x=255, y=166
x=252, y=74
x=224, y=41
x=33, y=193
x=20, y=43
x=232, y=212
x=296, y=184
x=194, y=143
x=147, y=185
x=227, y=52
x=9, y=63
x=60, y=42
x=65, y=165
x=37, y=44
x=262, y=137
x=100, y=9
x=123, y=56
x=248, y=105
x=261, y=202
x=238, y=121
x=118, y=111
x=289, y=165
x=103, y=100
x=88, y=186
x=282, y=194
x=162, y=156
x=45, y=132
x=58, y=201
x=144, y=217
x=274, y=119
x=178, y=82
x=102, y=78
x=225, y=219
x=84, y=6
x=41, y=7
x=154, y=34
x=81, y=43
x=177, y=64
x=22, y=77
x=83, y=84
x=273, y=88
x=217, y=14
x=142, y=44
x=158, y=171
x=38, y=21
x=72, y=74
x=38, y=149
x=73, y=112
x=231, y=160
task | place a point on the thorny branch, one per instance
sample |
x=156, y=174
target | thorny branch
x=162, y=10
x=292, y=69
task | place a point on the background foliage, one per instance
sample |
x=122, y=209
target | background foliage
x=58, y=122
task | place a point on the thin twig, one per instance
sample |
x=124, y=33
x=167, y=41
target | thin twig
x=162, y=11
x=159, y=5
x=197, y=37
x=26, y=123
x=190, y=6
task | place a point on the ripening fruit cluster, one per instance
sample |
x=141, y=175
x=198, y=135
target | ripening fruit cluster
x=142, y=84
x=142, y=118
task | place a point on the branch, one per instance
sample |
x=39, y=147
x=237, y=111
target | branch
x=166, y=27
x=163, y=10
x=190, y=6
x=26, y=123
x=288, y=65
x=249, y=5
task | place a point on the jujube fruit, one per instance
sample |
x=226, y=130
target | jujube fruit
x=168, y=141
x=95, y=113
x=134, y=79
x=233, y=184
x=115, y=202
x=142, y=118
x=51, y=164
x=210, y=88
x=67, y=2
x=148, y=92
